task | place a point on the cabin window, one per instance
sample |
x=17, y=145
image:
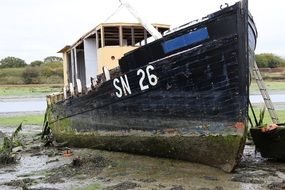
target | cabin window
x=123, y=36
x=111, y=36
x=128, y=36
x=139, y=36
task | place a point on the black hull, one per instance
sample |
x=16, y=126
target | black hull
x=270, y=144
x=196, y=111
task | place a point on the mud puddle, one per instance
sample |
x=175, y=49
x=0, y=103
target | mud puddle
x=40, y=167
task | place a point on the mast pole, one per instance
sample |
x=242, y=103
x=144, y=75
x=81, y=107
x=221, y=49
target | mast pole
x=155, y=34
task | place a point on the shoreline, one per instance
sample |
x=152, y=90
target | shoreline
x=42, y=167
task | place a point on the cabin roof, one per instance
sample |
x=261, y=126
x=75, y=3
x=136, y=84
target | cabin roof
x=93, y=31
x=64, y=49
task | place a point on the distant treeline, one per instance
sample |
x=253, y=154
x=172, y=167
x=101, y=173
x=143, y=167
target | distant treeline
x=16, y=71
x=269, y=60
x=50, y=71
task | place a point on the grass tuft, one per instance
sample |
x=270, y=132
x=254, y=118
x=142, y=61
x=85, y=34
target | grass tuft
x=9, y=121
x=28, y=90
x=266, y=117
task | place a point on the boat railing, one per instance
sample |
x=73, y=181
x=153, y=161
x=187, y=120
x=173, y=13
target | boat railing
x=54, y=98
x=167, y=32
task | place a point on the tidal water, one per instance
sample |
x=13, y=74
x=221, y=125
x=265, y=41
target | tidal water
x=16, y=105
x=277, y=98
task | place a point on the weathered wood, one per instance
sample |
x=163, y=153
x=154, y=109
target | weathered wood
x=180, y=101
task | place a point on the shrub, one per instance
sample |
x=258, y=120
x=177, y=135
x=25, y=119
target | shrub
x=52, y=69
x=36, y=63
x=269, y=60
x=11, y=75
x=31, y=75
x=12, y=62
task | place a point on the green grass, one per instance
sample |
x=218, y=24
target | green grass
x=28, y=90
x=9, y=121
x=270, y=85
x=267, y=119
x=91, y=187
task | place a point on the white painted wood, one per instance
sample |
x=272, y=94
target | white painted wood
x=90, y=56
x=75, y=62
x=72, y=67
x=106, y=73
x=71, y=89
x=64, y=93
x=94, y=81
x=79, y=85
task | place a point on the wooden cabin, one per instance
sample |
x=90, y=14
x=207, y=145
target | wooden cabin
x=101, y=48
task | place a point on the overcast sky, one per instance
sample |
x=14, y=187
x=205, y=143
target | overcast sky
x=35, y=29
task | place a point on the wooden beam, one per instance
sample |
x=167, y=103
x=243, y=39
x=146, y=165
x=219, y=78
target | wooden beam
x=102, y=37
x=145, y=36
x=97, y=39
x=121, y=35
x=133, y=36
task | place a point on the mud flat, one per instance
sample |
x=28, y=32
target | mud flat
x=42, y=167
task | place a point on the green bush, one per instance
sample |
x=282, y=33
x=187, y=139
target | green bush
x=11, y=76
x=38, y=72
x=11, y=71
x=12, y=62
x=269, y=60
x=36, y=63
x=52, y=69
x=52, y=80
x=31, y=75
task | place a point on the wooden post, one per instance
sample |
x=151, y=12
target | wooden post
x=72, y=67
x=145, y=36
x=65, y=69
x=121, y=35
x=75, y=63
x=102, y=37
x=97, y=39
x=133, y=36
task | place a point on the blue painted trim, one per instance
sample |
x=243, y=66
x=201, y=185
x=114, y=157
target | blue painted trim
x=185, y=40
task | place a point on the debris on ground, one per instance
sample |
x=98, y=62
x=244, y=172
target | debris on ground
x=123, y=186
x=42, y=167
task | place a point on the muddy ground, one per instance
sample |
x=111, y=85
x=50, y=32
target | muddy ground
x=40, y=167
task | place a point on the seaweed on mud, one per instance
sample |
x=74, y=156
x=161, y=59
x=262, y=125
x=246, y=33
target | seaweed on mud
x=92, y=165
x=9, y=143
x=276, y=185
x=23, y=183
x=123, y=186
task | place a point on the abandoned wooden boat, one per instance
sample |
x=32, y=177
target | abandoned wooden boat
x=182, y=96
x=270, y=143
